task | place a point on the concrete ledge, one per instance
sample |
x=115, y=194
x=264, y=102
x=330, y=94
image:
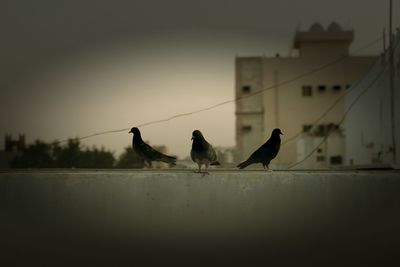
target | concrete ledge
x=362, y=207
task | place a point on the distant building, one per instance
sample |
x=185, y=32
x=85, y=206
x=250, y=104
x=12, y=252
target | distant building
x=369, y=124
x=226, y=156
x=295, y=100
x=12, y=148
x=330, y=153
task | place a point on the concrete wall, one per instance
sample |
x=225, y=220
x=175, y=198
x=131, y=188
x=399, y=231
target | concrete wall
x=289, y=212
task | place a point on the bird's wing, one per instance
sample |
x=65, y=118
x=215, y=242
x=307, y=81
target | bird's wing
x=272, y=144
x=211, y=154
x=150, y=152
x=264, y=152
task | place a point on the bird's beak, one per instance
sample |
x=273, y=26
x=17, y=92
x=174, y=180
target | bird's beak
x=192, y=138
x=130, y=131
x=281, y=133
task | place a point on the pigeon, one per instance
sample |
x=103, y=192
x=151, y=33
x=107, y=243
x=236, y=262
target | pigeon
x=266, y=152
x=148, y=153
x=202, y=152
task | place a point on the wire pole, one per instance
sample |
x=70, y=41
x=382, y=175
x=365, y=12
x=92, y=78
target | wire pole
x=391, y=81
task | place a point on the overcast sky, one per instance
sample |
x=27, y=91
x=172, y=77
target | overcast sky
x=72, y=68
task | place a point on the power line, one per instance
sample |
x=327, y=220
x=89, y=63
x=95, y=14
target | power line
x=93, y=135
x=342, y=120
x=232, y=100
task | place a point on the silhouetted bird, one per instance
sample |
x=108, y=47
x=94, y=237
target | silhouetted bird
x=266, y=152
x=202, y=152
x=147, y=152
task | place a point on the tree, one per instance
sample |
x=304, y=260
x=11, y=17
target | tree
x=129, y=159
x=43, y=155
x=68, y=156
x=37, y=155
x=96, y=158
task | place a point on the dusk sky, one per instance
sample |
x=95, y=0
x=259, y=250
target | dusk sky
x=74, y=68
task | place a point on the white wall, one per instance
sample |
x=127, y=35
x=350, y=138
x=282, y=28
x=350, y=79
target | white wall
x=368, y=125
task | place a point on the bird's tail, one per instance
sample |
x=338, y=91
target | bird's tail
x=169, y=159
x=215, y=163
x=244, y=164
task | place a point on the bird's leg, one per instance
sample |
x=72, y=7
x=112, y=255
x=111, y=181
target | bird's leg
x=199, y=171
x=149, y=165
x=269, y=170
x=264, y=168
x=205, y=172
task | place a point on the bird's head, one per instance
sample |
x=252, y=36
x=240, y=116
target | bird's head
x=197, y=135
x=135, y=131
x=277, y=132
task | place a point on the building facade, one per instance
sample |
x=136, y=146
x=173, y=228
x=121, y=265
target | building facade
x=292, y=92
x=372, y=130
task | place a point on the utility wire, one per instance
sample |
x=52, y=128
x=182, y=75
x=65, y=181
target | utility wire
x=331, y=63
x=342, y=120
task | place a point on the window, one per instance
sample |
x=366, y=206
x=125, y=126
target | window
x=320, y=130
x=337, y=87
x=246, y=88
x=319, y=150
x=307, y=128
x=331, y=127
x=307, y=90
x=323, y=129
x=321, y=88
x=336, y=160
x=246, y=128
x=320, y=158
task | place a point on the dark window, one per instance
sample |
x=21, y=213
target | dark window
x=320, y=131
x=323, y=129
x=336, y=160
x=307, y=90
x=319, y=150
x=331, y=127
x=246, y=128
x=246, y=88
x=337, y=87
x=307, y=128
x=321, y=88
x=320, y=158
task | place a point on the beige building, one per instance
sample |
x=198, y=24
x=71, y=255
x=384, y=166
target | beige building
x=297, y=90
